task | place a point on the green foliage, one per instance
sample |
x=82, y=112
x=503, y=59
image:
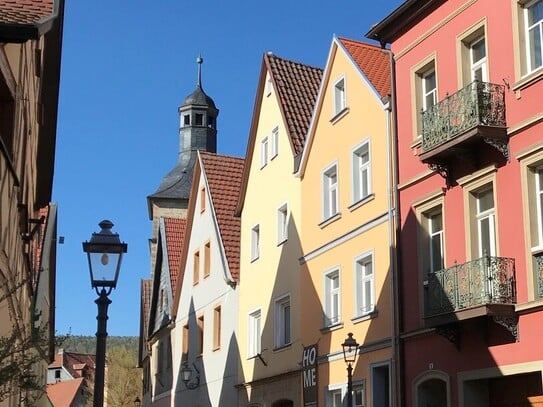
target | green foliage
x=123, y=377
x=87, y=344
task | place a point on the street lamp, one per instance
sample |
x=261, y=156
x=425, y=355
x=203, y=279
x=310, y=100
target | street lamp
x=186, y=375
x=350, y=352
x=137, y=402
x=104, y=253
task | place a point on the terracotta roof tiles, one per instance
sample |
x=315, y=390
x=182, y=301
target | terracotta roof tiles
x=24, y=12
x=373, y=62
x=297, y=86
x=63, y=393
x=223, y=174
x=175, y=238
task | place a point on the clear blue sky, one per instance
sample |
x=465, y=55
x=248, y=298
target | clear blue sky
x=126, y=67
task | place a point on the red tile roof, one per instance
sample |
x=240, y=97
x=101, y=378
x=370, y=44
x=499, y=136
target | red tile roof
x=146, y=287
x=175, y=238
x=23, y=12
x=373, y=61
x=76, y=364
x=223, y=174
x=63, y=393
x=297, y=86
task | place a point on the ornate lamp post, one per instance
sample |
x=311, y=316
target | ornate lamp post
x=104, y=253
x=350, y=352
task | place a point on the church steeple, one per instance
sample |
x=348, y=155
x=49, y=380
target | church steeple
x=197, y=131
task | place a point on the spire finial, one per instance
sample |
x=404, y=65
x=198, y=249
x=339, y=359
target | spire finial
x=199, y=61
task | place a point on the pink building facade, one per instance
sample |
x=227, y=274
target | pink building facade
x=469, y=110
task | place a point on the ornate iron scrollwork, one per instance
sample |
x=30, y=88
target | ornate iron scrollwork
x=509, y=323
x=501, y=145
x=451, y=332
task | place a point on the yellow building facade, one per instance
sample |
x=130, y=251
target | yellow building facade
x=269, y=330
x=347, y=195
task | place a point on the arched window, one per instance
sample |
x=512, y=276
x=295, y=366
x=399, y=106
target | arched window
x=432, y=389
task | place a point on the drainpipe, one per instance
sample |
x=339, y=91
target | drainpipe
x=394, y=233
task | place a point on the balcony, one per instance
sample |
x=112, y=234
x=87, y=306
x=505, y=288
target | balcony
x=481, y=287
x=473, y=115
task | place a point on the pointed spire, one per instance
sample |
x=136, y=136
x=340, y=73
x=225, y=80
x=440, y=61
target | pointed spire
x=199, y=60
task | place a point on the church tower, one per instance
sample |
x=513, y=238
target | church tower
x=197, y=131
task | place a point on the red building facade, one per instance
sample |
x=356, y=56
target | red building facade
x=469, y=106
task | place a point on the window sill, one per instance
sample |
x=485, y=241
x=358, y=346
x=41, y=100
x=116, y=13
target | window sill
x=331, y=328
x=255, y=259
x=528, y=80
x=339, y=115
x=331, y=219
x=365, y=317
x=537, y=251
x=282, y=347
x=282, y=242
x=361, y=202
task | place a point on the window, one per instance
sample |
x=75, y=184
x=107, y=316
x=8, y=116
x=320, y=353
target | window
x=361, y=172
x=199, y=119
x=202, y=199
x=255, y=332
x=359, y=395
x=200, y=324
x=380, y=385
x=339, y=96
x=331, y=298
x=330, y=192
x=533, y=34
x=255, y=242
x=185, y=347
x=365, y=285
x=335, y=398
x=275, y=142
x=186, y=120
x=538, y=173
x=282, y=321
x=269, y=86
x=478, y=60
x=207, y=259
x=217, y=328
x=435, y=239
x=485, y=222
x=196, y=268
x=424, y=89
x=264, y=152
x=282, y=224
x=57, y=374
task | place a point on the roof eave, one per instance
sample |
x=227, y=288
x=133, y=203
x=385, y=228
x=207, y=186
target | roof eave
x=400, y=20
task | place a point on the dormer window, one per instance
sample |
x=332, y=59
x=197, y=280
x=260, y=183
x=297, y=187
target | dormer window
x=199, y=119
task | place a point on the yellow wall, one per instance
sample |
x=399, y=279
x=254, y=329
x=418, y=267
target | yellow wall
x=333, y=140
x=276, y=272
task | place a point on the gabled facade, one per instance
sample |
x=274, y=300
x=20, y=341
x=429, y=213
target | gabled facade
x=30, y=51
x=469, y=119
x=270, y=319
x=348, y=227
x=206, y=303
x=171, y=236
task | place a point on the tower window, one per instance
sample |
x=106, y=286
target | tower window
x=186, y=120
x=210, y=122
x=199, y=119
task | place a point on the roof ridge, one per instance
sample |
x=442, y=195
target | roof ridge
x=365, y=44
x=221, y=155
x=271, y=54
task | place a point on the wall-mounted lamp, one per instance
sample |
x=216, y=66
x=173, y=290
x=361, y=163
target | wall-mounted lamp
x=186, y=375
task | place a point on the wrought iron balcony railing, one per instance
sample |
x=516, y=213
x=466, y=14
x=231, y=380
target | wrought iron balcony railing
x=478, y=104
x=487, y=280
x=539, y=273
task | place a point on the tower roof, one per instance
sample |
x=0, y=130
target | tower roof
x=199, y=97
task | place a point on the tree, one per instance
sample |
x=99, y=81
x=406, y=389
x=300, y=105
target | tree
x=123, y=377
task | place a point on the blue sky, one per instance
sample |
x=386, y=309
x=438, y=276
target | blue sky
x=126, y=68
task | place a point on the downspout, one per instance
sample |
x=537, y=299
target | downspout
x=394, y=233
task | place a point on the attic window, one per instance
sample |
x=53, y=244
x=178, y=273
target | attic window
x=57, y=374
x=268, y=87
x=199, y=119
x=202, y=199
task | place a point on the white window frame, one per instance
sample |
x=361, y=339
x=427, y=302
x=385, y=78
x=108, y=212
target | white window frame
x=274, y=142
x=332, y=308
x=361, y=171
x=330, y=191
x=538, y=194
x=537, y=26
x=483, y=215
x=254, y=343
x=481, y=63
x=282, y=223
x=340, y=97
x=359, y=387
x=283, y=328
x=361, y=264
x=432, y=234
x=264, y=152
x=428, y=92
x=335, y=390
x=255, y=242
